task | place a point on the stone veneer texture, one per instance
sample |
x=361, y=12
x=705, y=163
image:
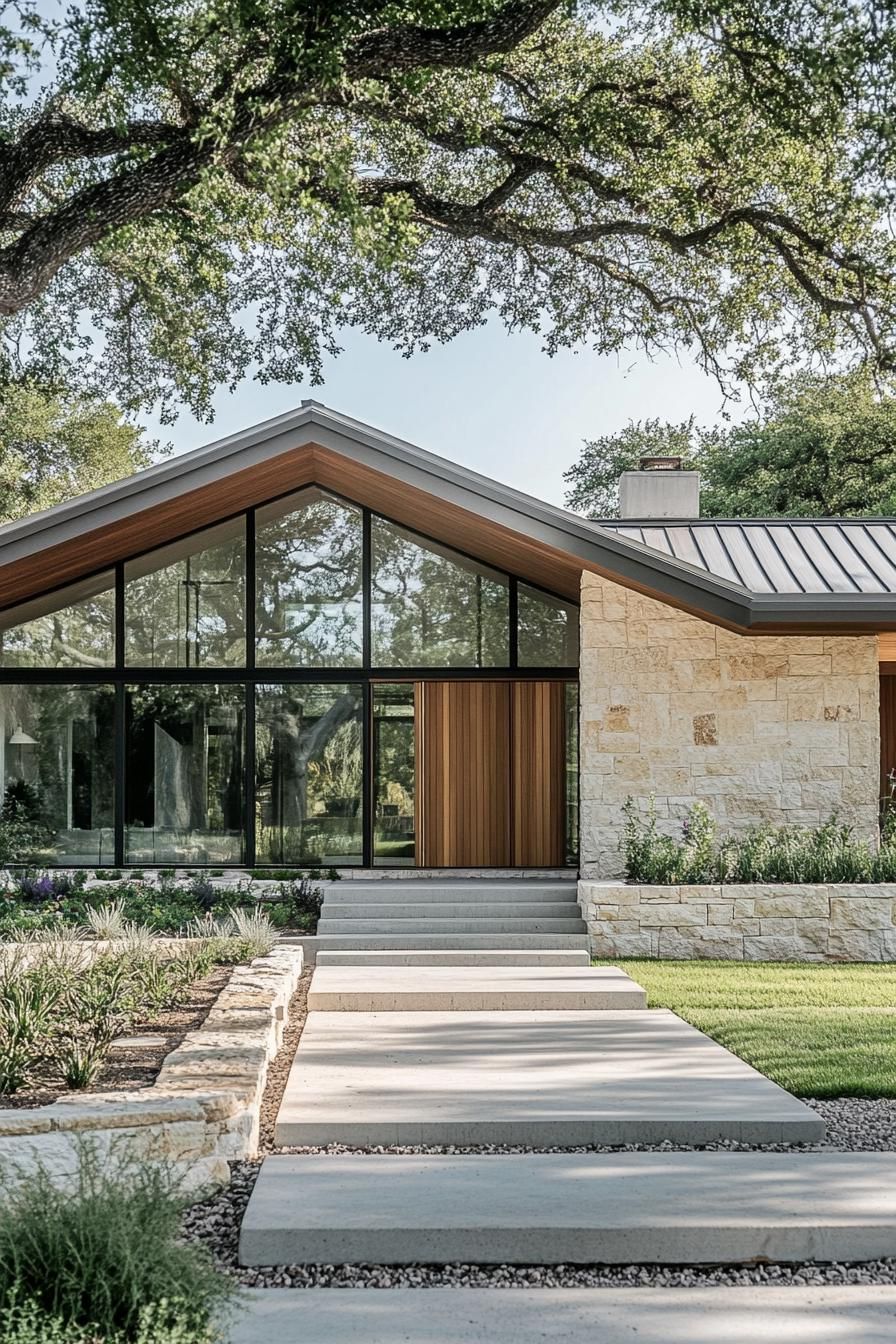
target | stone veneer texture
x=778, y=728
x=824, y=922
x=203, y=1110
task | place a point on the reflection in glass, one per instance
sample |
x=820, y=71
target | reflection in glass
x=56, y=767
x=184, y=797
x=72, y=627
x=308, y=575
x=572, y=772
x=432, y=607
x=309, y=772
x=394, y=774
x=547, y=629
x=185, y=603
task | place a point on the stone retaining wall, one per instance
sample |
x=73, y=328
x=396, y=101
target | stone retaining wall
x=741, y=923
x=203, y=1109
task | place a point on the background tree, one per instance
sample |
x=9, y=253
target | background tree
x=823, y=447
x=55, y=445
x=191, y=191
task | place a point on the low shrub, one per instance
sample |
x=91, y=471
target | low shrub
x=254, y=929
x=105, y=1259
x=762, y=854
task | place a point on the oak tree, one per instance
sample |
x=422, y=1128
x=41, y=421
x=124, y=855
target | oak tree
x=191, y=191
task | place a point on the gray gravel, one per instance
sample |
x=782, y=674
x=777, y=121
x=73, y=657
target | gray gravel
x=216, y=1224
x=854, y=1125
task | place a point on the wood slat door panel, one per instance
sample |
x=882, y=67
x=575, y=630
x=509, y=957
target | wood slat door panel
x=538, y=769
x=463, y=738
x=887, y=731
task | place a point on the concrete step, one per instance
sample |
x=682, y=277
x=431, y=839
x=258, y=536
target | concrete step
x=392, y=941
x=387, y=989
x=467, y=925
x=559, y=1208
x=865, y=1314
x=544, y=1079
x=453, y=910
x=435, y=889
x=496, y=958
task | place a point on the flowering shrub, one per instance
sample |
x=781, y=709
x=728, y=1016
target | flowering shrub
x=766, y=853
x=47, y=886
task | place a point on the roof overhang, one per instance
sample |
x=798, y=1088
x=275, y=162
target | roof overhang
x=494, y=522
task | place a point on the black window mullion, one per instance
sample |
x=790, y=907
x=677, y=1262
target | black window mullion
x=513, y=607
x=250, y=618
x=366, y=719
x=119, y=748
x=366, y=593
x=119, y=795
x=367, y=774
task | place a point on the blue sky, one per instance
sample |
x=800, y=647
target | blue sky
x=492, y=401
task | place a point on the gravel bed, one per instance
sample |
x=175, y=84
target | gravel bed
x=854, y=1125
x=216, y=1224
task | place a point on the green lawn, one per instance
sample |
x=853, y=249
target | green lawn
x=819, y=1031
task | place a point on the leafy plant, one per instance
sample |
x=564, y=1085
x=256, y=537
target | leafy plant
x=108, y=874
x=254, y=929
x=28, y=1002
x=107, y=1256
x=761, y=854
x=204, y=892
x=108, y=921
x=44, y=886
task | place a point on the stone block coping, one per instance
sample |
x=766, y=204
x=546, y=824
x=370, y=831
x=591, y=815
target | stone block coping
x=203, y=1109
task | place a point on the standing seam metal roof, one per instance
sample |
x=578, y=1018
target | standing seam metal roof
x=788, y=555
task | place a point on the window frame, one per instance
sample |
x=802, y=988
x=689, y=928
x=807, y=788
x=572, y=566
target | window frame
x=120, y=674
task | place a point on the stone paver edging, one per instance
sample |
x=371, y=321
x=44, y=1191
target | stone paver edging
x=203, y=1109
x=749, y=922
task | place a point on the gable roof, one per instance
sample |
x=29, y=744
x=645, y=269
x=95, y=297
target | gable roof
x=502, y=526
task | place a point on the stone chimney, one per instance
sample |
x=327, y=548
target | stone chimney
x=659, y=489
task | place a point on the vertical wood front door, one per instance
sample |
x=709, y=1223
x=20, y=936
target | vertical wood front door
x=490, y=774
x=463, y=771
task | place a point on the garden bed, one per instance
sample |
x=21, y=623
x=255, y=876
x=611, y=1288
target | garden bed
x=202, y=1111
x=128, y=1068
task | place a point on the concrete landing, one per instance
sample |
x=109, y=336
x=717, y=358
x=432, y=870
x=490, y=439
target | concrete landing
x=790, y=1315
x=559, y=1208
x=397, y=957
x=462, y=988
x=556, y=1078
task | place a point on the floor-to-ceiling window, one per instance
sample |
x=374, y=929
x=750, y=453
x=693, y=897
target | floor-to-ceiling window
x=249, y=694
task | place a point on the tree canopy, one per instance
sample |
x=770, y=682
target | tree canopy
x=55, y=445
x=823, y=447
x=193, y=191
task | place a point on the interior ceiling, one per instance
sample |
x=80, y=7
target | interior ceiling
x=306, y=465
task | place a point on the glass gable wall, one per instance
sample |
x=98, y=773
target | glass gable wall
x=245, y=695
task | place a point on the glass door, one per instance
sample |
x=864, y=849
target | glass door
x=394, y=774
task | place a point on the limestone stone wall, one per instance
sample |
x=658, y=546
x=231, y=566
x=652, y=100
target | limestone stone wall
x=781, y=728
x=825, y=922
x=203, y=1110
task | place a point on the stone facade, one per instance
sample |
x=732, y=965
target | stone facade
x=779, y=728
x=203, y=1110
x=742, y=923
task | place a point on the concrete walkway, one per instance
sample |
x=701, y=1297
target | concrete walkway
x=545, y=1079
x=681, y=1208
x=568, y=1316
